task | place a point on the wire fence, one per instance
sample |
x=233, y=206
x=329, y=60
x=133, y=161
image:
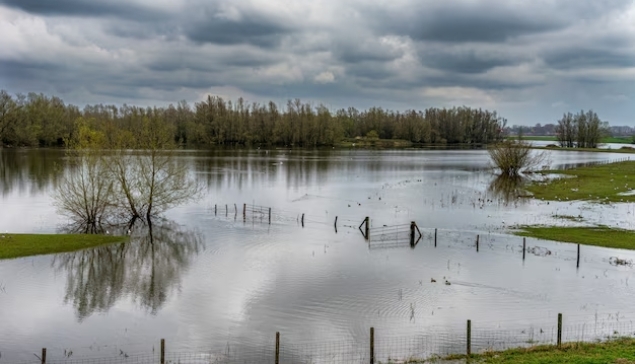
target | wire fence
x=375, y=347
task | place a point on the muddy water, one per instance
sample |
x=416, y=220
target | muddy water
x=213, y=278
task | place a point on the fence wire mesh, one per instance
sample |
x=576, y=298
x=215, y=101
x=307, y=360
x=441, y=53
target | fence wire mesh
x=435, y=342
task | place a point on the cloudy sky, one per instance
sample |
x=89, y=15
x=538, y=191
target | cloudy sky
x=530, y=60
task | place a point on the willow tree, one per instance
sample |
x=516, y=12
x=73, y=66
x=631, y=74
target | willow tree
x=123, y=177
x=85, y=193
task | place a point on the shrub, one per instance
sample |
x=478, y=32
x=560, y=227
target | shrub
x=512, y=157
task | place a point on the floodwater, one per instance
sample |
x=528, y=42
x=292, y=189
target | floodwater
x=213, y=278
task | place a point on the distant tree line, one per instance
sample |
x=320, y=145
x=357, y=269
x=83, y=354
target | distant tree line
x=582, y=130
x=40, y=120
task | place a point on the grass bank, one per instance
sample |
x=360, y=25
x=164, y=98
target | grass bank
x=604, y=183
x=624, y=149
x=24, y=245
x=587, y=235
x=551, y=138
x=619, y=351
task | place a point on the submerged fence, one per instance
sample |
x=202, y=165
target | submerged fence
x=375, y=347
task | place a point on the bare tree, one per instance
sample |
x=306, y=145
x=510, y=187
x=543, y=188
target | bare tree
x=565, y=131
x=512, y=157
x=85, y=192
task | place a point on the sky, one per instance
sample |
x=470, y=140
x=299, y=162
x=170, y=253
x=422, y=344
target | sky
x=531, y=61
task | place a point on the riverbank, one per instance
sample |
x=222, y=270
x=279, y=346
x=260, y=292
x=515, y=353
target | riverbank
x=552, y=138
x=619, y=351
x=586, y=235
x=24, y=245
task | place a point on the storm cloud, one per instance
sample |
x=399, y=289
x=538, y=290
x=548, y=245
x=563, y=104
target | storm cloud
x=531, y=61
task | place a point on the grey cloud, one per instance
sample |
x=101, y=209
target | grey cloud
x=589, y=56
x=120, y=9
x=363, y=50
x=211, y=26
x=486, y=21
x=466, y=23
x=463, y=61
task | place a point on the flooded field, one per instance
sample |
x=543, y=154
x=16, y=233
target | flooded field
x=213, y=277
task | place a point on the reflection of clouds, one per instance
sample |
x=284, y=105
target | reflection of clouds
x=147, y=269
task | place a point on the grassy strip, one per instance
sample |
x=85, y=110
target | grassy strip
x=550, y=138
x=24, y=245
x=586, y=235
x=624, y=149
x=619, y=351
x=602, y=182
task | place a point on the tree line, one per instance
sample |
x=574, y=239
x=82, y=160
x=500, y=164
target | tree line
x=581, y=130
x=39, y=120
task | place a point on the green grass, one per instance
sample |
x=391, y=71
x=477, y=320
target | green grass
x=587, y=235
x=593, y=183
x=624, y=149
x=551, y=138
x=24, y=245
x=568, y=217
x=619, y=351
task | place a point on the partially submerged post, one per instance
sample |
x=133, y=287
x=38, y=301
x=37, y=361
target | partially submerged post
x=578, y=260
x=524, y=247
x=270, y=216
x=412, y=233
x=43, y=358
x=162, y=351
x=244, y=211
x=226, y=210
x=372, y=345
x=559, y=339
x=435, y=237
x=335, y=224
x=215, y=210
x=278, y=347
x=367, y=227
x=469, y=338
x=477, y=238
x=302, y=219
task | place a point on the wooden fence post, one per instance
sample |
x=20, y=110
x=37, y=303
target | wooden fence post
x=162, y=351
x=469, y=338
x=244, y=211
x=367, y=227
x=559, y=342
x=372, y=345
x=43, y=358
x=477, y=238
x=215, y=209
x=577, y=264
x=277, y=347
x=226, y=210
x=524, y=247
x=412, y=233
x=435, y=237
x=270, y=216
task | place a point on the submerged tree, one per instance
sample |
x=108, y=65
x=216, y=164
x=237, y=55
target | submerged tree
x=512, y=157
x=85, y=193
x=125, y=185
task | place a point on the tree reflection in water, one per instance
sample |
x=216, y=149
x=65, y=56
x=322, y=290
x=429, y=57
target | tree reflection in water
x=147, y=269
x=509, y=189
